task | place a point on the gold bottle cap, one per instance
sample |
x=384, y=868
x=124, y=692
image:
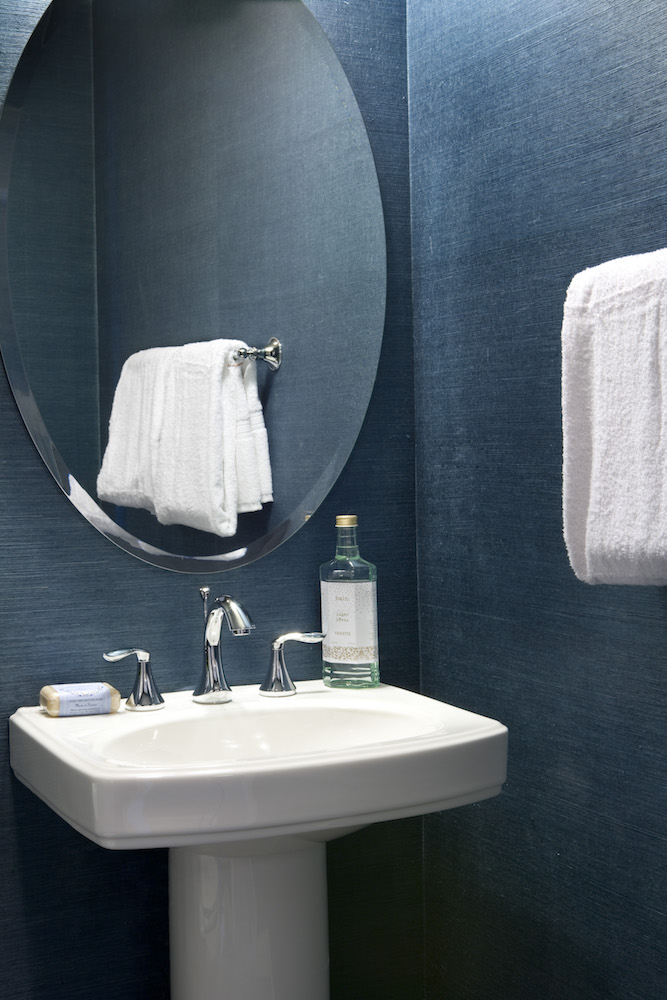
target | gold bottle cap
x=346, y=520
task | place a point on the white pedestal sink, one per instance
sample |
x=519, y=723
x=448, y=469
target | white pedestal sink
x=245, y=795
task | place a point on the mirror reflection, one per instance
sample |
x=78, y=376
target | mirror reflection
x=182, y=173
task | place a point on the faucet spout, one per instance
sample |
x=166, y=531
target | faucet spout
x=213, y=688
x=238, y=619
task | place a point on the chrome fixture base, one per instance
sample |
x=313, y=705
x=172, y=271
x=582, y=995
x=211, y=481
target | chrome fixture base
x=145, y=696
x=218, y=695
x=278, y=683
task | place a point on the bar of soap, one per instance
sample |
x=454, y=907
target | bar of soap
x=96, y=698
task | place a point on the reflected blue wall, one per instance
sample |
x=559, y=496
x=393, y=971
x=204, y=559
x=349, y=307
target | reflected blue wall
x=51, y=234
x=538, y=137
x=78, y=921
x=225, y=209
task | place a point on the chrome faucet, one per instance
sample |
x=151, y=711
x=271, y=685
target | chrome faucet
x=145, y=696
x=278, y=683
x=213, y=688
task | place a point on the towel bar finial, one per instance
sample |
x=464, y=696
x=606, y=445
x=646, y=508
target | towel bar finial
x=272, y=353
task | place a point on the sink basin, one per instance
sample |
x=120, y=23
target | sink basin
x=245, y=795
x=323, y=761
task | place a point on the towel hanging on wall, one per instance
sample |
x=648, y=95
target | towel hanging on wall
x=185, y=437
x=614, y=378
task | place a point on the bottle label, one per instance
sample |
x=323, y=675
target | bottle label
x=349, y=622
x=84, y=699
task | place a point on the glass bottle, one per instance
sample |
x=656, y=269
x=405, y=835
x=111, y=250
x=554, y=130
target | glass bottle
x=348, y=588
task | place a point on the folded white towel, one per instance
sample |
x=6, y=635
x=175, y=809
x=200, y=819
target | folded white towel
x=126, y=474
x=259, y=435
x=186, y=450
x=614, y=344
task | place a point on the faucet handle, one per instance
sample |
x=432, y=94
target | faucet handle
x=145, y=696
x=278, y=683
x=119, y=654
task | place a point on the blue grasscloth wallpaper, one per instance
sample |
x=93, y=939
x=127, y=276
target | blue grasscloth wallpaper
x=537, y=142
x=538, y=134
x=78, y=921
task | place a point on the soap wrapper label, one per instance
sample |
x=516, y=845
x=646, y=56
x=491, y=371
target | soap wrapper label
x=84, y=699
x=349, y=622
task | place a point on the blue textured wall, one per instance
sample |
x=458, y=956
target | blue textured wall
x=78, y=921
x=51, y=237
x=538, y=136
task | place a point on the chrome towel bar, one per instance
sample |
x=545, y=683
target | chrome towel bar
x=272, y=353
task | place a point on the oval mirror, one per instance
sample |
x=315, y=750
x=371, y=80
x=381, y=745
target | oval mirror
x=177, y=172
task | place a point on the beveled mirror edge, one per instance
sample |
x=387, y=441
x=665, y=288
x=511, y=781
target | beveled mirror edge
x=85, y=504
x=98, y=519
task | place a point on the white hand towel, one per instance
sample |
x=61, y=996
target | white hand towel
x=614, y=344
x=247, y=475
x=194, y=470
x=189, y=456
x=259, y=435
x=126, y=474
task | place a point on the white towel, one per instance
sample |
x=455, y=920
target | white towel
x=614, y=343
x=259, y=435
x=126, y=474
x=180, y=437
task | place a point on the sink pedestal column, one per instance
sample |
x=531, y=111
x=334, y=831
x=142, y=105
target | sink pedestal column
x=249, y=922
